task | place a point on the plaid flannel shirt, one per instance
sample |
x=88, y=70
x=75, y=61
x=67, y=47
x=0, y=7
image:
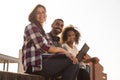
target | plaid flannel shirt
x=35, y=44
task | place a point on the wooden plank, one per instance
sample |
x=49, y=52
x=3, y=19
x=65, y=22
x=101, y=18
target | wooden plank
x=18, y=76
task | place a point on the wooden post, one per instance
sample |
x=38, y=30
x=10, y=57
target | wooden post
x=7, y=65
x=4, y=65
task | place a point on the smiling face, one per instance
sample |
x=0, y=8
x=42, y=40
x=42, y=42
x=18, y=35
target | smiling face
x=41, y=15
x=71, y=37
x=57, y=26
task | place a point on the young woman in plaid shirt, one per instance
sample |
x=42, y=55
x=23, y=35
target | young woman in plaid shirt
x=36, y=44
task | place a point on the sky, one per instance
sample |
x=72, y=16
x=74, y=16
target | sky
x=97, y=20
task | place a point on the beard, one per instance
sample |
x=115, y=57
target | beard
x=57, y=31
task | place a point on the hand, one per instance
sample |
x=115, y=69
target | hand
x=73, y=58
x=95, y=60
x=85, y=57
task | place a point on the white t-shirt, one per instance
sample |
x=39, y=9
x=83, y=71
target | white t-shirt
x=74, y=51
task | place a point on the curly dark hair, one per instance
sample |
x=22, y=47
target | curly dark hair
x=70, y=28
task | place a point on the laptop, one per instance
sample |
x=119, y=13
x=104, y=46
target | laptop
x=82, y=52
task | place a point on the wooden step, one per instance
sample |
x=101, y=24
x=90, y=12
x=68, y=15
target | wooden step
x=19, y=76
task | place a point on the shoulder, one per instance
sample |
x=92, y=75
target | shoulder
x=31, y=26
x=65, y=45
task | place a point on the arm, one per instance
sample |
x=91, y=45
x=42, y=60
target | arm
x=53, y=49
x=93, y=59
x=63, y=51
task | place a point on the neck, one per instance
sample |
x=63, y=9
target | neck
x=53, y=34
x=41, y=24
x=70, y=44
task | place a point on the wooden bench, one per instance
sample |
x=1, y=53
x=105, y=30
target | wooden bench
x=18, y=76
x=4, y=75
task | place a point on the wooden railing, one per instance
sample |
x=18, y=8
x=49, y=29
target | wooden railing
x=5, y=60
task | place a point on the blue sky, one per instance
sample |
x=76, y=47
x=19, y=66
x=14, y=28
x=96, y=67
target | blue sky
x=97, y=20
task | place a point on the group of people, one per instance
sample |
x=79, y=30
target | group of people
x=47, y=54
